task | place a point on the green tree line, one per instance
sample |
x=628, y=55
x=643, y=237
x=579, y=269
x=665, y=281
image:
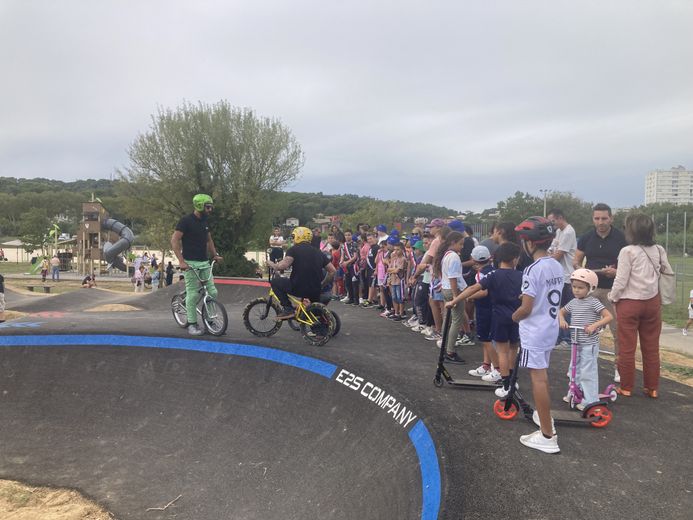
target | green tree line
x=245, y=162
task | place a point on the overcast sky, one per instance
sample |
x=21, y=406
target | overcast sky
x=458, y=103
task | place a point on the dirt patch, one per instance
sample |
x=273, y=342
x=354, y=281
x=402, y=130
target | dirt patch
x=20, y=502
x=675, y=366
x=13, y=315
x=113, y=307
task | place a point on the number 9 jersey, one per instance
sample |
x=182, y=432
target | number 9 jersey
x=543, y=281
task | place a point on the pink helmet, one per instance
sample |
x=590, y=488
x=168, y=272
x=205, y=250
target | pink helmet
x=586, y=275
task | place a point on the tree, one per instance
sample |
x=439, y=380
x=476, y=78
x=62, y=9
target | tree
x=519, y=207
x=34, y=229
x=229, y=153
x=375, y=212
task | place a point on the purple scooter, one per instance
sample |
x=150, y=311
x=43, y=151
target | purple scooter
x=574, y=392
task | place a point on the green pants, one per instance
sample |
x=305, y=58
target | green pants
x=192, y=284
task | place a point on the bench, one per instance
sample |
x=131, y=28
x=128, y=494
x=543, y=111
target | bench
x=46, y=288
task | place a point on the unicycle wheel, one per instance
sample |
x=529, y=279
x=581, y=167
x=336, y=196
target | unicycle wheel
x=602, y=414
x=502, y=413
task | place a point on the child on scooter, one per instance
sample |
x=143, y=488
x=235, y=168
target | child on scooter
x=542, y=285
x=588, y=312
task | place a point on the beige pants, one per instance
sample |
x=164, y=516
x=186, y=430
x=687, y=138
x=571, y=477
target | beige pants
x=601, y=295
x=456, y=321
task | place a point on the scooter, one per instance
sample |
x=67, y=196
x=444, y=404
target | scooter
x=595, y=414
x=575, y=394
x=442, y=372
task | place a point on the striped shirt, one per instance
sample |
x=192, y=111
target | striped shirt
x=585, y=312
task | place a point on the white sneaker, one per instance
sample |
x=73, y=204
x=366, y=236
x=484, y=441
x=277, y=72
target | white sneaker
x=426, y=331
x=535, y=419
x=580, y=407
x=439, y=343
x=493, y=376
x=418, y=328
x=537, y=441
x=566, y=398
x=194, y=330
x=502, y=392
x=411, y=322
x=480, y=371
x=465, y=340
x=684, y=332
x=361, y=300
x=617, y=376
x=434, y=336
x=345, y=299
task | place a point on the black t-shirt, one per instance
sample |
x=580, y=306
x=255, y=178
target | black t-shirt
x=468, y=273
x=195, y=233
x=372, y=254
x=306, y=270
x=504, y=288
x=602, y=252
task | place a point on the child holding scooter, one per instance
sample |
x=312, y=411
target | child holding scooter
x=589, y=313
x=542, y=285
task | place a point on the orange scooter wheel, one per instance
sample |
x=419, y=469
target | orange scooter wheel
x=603, y=415
x=502, y=413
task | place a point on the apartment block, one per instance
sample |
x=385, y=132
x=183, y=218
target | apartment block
x=674, y=185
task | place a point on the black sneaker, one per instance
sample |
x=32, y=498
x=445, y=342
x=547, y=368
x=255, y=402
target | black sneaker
x=397, y=318
x=380, y=307
x=454, y=358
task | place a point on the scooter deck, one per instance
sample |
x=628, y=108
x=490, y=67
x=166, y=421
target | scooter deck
x=567, y=416
x=470, y=383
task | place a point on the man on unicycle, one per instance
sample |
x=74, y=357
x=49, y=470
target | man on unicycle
x=192, y=244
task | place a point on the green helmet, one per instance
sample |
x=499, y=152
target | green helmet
x=200, y=200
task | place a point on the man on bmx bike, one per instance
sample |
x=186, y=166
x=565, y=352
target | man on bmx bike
x=306, y=279
x=192, y=244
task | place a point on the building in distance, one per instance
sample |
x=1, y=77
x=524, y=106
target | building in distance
x=674, y=185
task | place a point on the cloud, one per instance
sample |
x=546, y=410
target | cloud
x=456, y=103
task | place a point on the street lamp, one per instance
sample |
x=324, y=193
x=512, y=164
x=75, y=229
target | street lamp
x=544, y=193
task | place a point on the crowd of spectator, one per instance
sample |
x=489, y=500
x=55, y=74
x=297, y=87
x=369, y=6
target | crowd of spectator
x=414, y=278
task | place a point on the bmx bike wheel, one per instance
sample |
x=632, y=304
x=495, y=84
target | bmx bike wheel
x=323, y=327
x=214, y=317
x=260, y=318
x=337, y=323
x=180, y=314
x=502, y=413
x=602, y=413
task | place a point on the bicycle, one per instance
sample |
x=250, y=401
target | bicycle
x=212, y=312
x=315, y=321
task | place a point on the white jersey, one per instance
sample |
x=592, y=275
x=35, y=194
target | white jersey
x=276, y=241
x=566, y=242
x=451, y=267
x=543, y=281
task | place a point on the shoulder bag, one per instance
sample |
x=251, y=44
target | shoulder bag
x=667, y=280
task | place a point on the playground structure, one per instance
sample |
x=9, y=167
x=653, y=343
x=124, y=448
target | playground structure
x=94, y=245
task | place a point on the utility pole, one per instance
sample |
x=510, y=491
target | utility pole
x=685, y=229
x=544, y=193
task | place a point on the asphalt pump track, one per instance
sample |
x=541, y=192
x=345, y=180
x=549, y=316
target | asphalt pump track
x=128, y=409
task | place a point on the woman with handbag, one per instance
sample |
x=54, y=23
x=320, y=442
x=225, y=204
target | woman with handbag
x=636, y=294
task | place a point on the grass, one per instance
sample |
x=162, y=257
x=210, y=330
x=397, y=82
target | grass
x=14, y=268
